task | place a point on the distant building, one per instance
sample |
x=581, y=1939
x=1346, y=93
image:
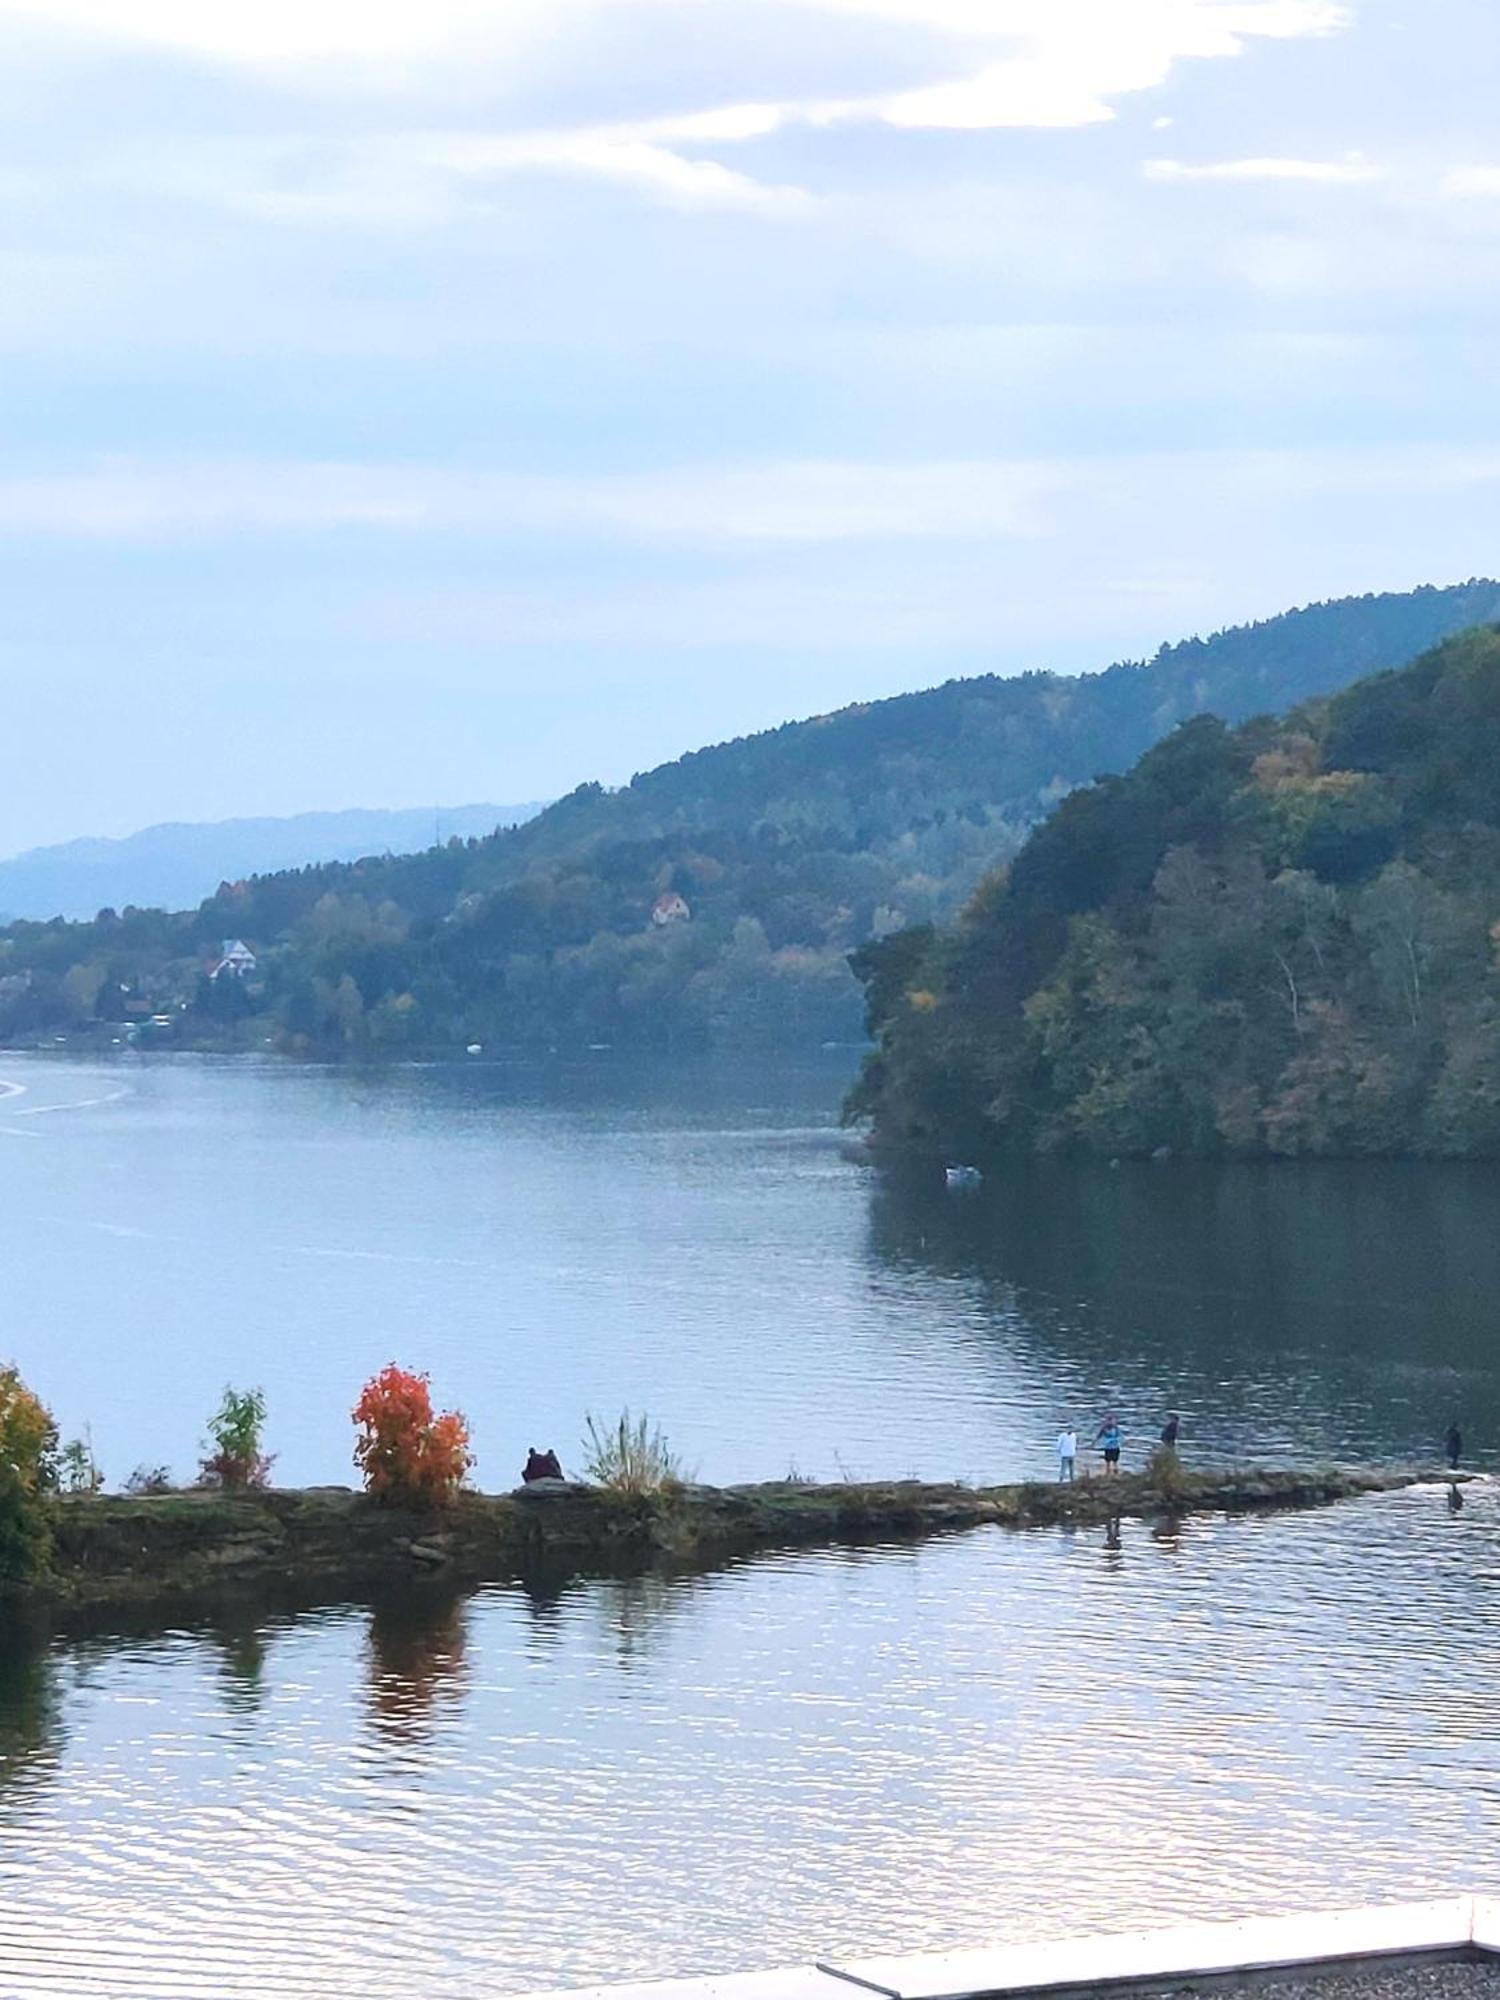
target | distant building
x=235, y=961
x=669, y=909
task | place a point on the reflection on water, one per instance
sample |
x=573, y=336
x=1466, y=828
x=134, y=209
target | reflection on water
x=30, y=1721
x=553, y=1242
x=994, y=1736
x=417, y=1668
x=1342, y=1309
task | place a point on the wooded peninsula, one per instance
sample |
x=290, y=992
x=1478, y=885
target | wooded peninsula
x=1282, y=938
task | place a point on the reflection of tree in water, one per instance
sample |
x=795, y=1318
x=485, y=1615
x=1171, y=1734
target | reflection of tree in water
x=241, y=1640
x=417, y=1664
x=31, y=1727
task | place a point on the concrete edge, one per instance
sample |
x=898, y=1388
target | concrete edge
x=1441, y=1927
x=1484, y=1928
x=1135, y=1958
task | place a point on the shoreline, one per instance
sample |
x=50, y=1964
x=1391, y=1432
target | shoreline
x=137, y=1553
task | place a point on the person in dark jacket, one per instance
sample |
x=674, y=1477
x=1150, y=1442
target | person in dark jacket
x=1453, y=1444
x=1170, y=1429
x=1109, y=1437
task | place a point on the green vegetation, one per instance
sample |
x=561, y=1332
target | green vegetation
x=28, y=1479
x=630, y=1458
x=78, y=1469
x=238, y=1459
x=789, y=850
x=1282, y=938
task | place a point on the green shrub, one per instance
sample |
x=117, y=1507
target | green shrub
x=149, y=1479
x=237, y=1461
x=630, y=1458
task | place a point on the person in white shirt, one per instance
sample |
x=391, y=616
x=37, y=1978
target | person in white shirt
x=1067, y=1452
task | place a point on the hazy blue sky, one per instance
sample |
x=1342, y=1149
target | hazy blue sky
x=437, y=399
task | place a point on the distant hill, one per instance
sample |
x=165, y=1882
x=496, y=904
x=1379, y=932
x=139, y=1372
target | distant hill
x=175, y=866
x=1282, y=938
x=713, y=902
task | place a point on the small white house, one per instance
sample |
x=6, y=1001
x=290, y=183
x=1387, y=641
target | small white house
x=235, y=961
x=669, y=909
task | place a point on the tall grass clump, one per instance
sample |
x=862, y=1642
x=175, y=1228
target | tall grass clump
x=630, y=1457
x=1166, y=1474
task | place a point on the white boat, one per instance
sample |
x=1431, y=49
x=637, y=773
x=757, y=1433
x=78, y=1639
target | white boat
x=962, y=1177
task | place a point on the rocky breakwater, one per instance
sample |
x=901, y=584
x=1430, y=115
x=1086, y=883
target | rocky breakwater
x=325, y=1541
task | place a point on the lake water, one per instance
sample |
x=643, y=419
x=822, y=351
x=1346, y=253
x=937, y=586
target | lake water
x=990, y=1737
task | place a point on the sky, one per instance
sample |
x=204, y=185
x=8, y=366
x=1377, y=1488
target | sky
x=412, y=401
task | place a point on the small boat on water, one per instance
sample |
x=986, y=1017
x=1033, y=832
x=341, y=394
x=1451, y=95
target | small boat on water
x=962, y=1177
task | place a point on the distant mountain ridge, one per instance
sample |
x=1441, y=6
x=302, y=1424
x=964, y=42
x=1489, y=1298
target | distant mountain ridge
x=712, y=903
x=177, y=864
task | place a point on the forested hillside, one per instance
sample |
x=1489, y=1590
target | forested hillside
x=1283, y=938
x=714, y=901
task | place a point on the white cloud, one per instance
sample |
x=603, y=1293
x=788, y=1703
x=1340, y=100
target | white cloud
x=1467, y=182
x=1147, y=33
x=1070, y=60
x=798, y=502
x=622, y=153
x=1039, y=64
x=280, y=32
x=1349, y=171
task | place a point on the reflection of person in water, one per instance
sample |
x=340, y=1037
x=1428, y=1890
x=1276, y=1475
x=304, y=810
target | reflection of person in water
x=1455, y=1499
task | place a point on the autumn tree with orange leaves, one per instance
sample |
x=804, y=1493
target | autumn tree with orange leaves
x=409, y=1456
x=28, y=1477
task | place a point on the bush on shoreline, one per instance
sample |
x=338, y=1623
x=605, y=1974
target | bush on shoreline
x=408, y=1455
x=238, y=1463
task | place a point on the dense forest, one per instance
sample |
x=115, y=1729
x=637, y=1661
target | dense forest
x=715, y=901
x=1282, y=938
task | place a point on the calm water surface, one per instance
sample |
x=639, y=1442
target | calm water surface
x=990, y=1737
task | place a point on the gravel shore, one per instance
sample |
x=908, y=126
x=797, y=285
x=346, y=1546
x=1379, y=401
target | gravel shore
x=1443, y=1979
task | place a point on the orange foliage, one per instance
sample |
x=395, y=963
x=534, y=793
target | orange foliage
x=404, y=1451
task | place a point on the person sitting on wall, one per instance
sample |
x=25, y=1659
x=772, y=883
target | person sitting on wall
x=541, y=1465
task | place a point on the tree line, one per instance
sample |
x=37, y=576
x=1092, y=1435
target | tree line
x=790, y=851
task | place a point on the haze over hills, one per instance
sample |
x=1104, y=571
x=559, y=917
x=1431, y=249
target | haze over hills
x=175, y=865
x=1282, y=938
x=712, y=902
